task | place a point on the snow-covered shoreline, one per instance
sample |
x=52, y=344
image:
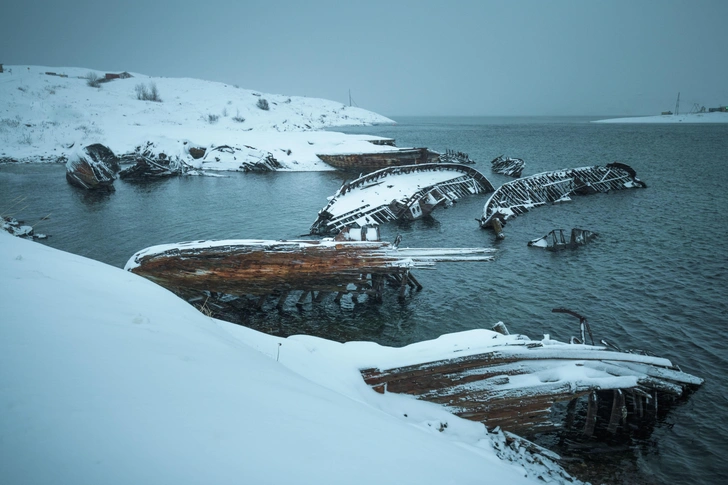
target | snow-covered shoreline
x=715, y=117
x=46, y=111
x=109, y=378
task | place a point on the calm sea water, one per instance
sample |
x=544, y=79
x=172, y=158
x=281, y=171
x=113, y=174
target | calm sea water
x=656, y=277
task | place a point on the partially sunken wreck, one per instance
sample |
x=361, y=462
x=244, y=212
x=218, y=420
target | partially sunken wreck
x=529, y=387
x=264, y=268
x=519, y=196
x=513, y=167
x=375, y=160
x=93, y=167
x=557, y=240
x=398, y=193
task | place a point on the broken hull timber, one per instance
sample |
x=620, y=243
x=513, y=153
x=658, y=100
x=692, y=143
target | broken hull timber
x=519, y=196
x=377, y=160
x=532, y=387
x=398, y=193
x=508, y=166
x=264, y=267
x=95, y=167
x=556, y=239
x=88, y=176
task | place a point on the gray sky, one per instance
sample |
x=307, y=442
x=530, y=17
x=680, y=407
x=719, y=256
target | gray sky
x=517, y=57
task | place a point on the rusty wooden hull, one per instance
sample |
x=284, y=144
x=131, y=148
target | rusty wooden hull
x=260, y=268
x=520, y=387
x=378, y=160
x=93, y=168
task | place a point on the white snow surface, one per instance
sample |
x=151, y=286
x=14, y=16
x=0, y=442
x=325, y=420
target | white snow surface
x=42, y=116
x=109, y=378
x=715, y=117
x=392, y=187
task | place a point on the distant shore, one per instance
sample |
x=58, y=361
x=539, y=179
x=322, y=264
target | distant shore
x=716, y=117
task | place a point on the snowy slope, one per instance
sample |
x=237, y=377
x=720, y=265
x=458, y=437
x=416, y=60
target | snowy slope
x=42, y=114
x=109, y=378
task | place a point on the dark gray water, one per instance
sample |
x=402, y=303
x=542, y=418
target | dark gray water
x=656, y=277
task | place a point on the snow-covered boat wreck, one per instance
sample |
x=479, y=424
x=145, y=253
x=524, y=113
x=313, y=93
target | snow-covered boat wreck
x=513, y=167
x=93, y=167
x=393, y=157
x=528, y=387
x=398, y=193
x=267, y=268
x=519, y=196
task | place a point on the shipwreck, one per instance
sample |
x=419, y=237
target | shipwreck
x=398, y=193
x=519, y=196
x=376, y=160
x=93, y=167
x=351, y=264
x=579, y=390
x=556, y=240
x=455, y=156
x=513, y=167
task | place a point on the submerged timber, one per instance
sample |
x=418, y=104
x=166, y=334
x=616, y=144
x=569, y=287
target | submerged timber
x=396, y=193
x=557, y=240
x=530, y=387
x=263, y=268
x=376, y=160
x=508, y=166
x=519, y=196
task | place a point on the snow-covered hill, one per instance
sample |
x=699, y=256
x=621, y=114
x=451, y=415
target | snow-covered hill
x=45, y=110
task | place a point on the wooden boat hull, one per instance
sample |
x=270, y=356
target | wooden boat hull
x=517, y=384
x=521, y=195
x=398, y=193
x=378, y=160
x=262, y=268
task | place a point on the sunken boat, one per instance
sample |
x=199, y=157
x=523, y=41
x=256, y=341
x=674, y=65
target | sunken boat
x=513, y=167
x=93, y=167
x=455, y=156
x=557, y=240
x=398, y=193
x=376, y=160
x=521, y=195
x=355, y=263
x=584, y=392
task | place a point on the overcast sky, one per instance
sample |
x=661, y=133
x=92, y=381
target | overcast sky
x=481, y=57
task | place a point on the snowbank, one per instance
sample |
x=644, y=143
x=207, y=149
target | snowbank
x=716, y=117
x=109, y=378
x=45, y=111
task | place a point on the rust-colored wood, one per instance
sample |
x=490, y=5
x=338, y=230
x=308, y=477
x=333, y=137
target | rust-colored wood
x=479, y=387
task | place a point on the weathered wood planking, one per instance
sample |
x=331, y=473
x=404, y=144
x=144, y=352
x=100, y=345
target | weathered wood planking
x=259, y=268
x=398, y=193
x=519, y=196
x=516, y=387
x=378, y=160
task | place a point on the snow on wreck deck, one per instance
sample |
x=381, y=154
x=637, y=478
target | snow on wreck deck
x=516, y=383
x=521, y=195
x=409, y=191
x=223, y=273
